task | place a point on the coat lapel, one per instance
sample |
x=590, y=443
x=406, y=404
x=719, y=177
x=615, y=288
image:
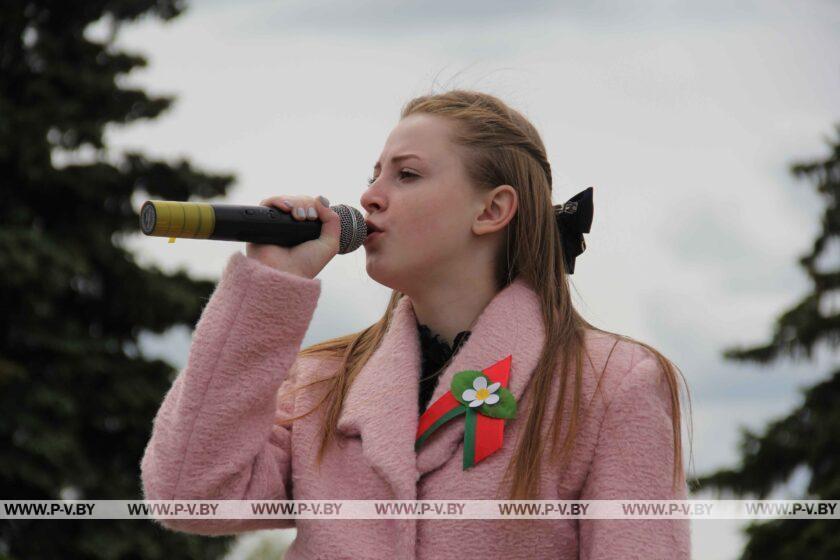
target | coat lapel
x=381, y=404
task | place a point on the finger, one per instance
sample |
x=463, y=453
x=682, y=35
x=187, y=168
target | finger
x=305, y=209
x=330, y=225
x=292, y=205
x=312, y=210
x=282, y=202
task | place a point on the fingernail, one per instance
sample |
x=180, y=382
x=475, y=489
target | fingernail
x=287, y=203
x=324, y=201
x=299, y=212
x=311, y=212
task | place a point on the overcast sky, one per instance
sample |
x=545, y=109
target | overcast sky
x=684, y=116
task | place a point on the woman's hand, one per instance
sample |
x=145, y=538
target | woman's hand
x=306, y=259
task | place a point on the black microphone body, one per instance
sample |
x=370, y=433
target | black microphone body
x=254, y=224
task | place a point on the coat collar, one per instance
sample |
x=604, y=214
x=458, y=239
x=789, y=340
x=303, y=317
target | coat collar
x=381, y=404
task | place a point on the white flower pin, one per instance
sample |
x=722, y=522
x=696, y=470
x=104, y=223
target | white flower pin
x=481, y=393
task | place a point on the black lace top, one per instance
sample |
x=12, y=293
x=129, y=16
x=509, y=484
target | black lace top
x=435, y=354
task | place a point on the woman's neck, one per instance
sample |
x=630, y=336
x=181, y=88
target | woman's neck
x=448, y=310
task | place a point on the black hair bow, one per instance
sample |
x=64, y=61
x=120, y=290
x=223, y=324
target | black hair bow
x=574, y=218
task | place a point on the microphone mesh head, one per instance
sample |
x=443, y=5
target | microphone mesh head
x=353, y=228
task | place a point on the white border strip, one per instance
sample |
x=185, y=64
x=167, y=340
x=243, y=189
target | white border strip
x=419, y=509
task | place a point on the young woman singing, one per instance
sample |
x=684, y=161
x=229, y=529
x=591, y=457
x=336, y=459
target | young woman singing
x=480, y=381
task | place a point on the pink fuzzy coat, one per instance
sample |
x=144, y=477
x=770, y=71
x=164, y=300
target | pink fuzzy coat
x=215, y=435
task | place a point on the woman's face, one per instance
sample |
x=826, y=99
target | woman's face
x=424, y=204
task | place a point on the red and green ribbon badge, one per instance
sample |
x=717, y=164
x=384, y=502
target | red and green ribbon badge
x=485, y=400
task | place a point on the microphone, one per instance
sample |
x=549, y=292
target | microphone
x=255, y=224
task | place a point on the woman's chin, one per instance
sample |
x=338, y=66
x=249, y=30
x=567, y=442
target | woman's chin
x=377, y=271
x=372, y=266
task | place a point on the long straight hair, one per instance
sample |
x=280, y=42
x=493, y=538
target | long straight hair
x=501, y=146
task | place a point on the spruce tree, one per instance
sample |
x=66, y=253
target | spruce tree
x=76, y=393
x=808, y=437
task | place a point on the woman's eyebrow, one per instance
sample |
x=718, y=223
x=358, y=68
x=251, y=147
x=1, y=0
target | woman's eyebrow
x=395, y=159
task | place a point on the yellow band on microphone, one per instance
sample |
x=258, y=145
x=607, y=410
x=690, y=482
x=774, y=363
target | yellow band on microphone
x=183, y=219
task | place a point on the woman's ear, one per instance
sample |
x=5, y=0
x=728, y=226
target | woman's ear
x=496, y=210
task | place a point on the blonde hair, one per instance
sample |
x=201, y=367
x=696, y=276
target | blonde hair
x=502, y=147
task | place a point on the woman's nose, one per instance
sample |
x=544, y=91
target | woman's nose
x=372, y=200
